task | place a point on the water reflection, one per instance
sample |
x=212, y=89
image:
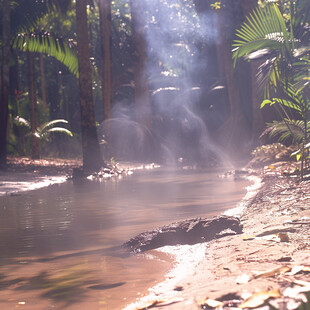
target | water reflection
x=58, y=243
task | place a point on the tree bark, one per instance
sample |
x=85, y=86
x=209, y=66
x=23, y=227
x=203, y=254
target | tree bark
x=225, y=57
x=258, y=123
x=105, y=35
x=5, y=79
x=42, y=69
x=92, y=160
x=142, y=94
x=35, y=150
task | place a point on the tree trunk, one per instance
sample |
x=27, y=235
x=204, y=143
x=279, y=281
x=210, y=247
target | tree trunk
x=207, y=17
x=142, y=94
x=105, y=35
x=35, y=147
x=42, y=69
x=235, y=131
x=92, y=160
x=5, y=79
x=258, y=123
x=225, y=57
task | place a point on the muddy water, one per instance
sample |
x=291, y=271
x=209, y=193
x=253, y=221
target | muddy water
x=58, y=245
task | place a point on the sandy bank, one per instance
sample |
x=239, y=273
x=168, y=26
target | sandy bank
x=276, y=237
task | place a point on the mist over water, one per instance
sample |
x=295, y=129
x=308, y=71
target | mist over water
x=180, y=129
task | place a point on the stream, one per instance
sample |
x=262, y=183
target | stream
x=59, y=244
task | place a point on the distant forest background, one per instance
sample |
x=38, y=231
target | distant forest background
x=158, y=80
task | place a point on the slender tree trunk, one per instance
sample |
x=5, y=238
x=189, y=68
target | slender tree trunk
x=258, y=123
x=6, y=20
x=208, y=17
x=42, y=69
x=35, y=151
x=142, y=95
x=225, y=57
x=235, y=131
x=92, y=160
x=105, y=35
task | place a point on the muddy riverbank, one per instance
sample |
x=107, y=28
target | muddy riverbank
x=268, y=264
x=72, y=226
x=271, y=258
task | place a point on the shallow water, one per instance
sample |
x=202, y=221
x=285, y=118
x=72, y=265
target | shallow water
x=58, y=244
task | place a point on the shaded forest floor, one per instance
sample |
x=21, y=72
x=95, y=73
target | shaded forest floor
x=24, y=174
x=42, y=166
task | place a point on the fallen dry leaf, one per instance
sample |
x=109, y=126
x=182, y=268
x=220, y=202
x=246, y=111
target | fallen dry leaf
x=257, y=299
x=273, y=272
x=210, y=303
x=296, y=292
x=248, y=237
x=146, y=305
x=243, y=279
x=295, y=270
x=158, y=302
x=302, y=283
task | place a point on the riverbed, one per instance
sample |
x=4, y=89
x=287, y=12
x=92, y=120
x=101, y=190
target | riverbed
x=59, y=245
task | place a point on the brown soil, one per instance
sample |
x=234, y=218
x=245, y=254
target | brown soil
x=42, y=166
x=270, y=258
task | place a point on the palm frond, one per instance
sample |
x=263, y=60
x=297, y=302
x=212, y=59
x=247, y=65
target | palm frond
x=285, y=103
x=44, y=42
x=22, y=121
x=61, y=130
x=26, y=13
x=49, y=124
x=286, y=129
x=264, y=29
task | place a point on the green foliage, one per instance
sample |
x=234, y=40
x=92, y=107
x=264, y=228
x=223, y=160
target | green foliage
x=44, y=133
x=287, y=128
x=279, y=34
x=28, y=33
x=216, y=5
x=264, y=34
x=46, y=43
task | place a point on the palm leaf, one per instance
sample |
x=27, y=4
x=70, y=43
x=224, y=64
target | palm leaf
x=286, y=103
x=47, y=125
x=26, y=13
x=264, y=29
x=287, y=129
x=22, y=121
x=61, y=130
x=44, y=42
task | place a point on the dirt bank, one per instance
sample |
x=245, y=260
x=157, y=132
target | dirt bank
x=270, y=259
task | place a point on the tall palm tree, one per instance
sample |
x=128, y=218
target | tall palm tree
x=5, y=78
x=105, y=36
x=35, y=150
x=92, y=160
x=142, y=94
